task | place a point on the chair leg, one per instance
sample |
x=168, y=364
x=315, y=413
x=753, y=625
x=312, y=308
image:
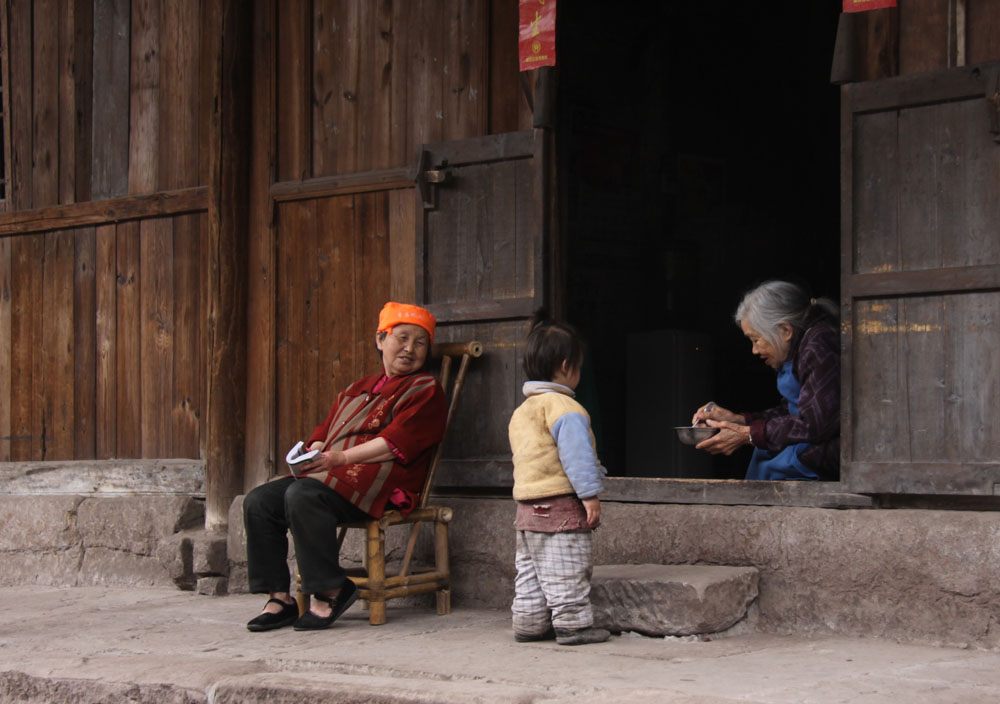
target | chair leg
x=444, y=602
x=363, y=603
x=376, y=573
x=442, y=565
x=300, y=596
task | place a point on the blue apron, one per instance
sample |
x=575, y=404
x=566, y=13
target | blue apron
x=784, y=464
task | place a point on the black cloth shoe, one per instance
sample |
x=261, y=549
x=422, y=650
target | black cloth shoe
x=531, y=638
x=268, y=622
x=347, y=595
x=581, y=636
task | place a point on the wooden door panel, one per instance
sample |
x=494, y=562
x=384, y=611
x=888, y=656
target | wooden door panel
x=493, y=259
x=921, y=285
x=480, y=243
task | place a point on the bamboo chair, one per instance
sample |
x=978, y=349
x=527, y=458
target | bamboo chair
x=374, y=585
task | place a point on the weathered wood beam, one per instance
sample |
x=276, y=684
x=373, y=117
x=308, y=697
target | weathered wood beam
x=325, y=186
x=104, y=212
x=227, y=263
x=472, y=311
x=902, y=283
x=909, y=91
x=937, y=478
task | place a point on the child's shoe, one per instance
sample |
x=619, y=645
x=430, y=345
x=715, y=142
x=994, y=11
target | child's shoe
x=581, y=636
x=530, y=638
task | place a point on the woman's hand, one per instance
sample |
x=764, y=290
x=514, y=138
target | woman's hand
x=730, y=438
x=325, y=461
x=593, y=508
x=711, y=411
x=375, y=450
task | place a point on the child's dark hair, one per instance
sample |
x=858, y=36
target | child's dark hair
x=549, y=344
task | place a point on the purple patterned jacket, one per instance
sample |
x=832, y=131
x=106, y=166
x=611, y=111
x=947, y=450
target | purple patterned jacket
x=816, y=365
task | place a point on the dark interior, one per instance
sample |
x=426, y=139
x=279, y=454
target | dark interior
x=698, y=146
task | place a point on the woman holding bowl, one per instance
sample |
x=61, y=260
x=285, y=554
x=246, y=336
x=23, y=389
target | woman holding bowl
x=798, y=338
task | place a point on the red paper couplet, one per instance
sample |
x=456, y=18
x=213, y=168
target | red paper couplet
x=862, y=5
x=537, y=39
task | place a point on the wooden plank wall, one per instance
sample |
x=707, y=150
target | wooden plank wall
x=102, y=318
x=354, y=88
x=80, y=339
x=927, y=35
x=114, y=100
x=363, y=84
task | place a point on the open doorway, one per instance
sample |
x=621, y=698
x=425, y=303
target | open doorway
x=698, y=148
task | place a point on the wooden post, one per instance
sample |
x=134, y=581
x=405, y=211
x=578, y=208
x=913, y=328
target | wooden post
x=263, y=252
x=227, y=265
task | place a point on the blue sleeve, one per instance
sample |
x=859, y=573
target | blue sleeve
x=572, y=435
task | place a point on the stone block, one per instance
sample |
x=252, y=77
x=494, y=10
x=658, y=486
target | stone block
x=209, y=553
x=239, y=582
x=115, y=567
x=482, y=542
x=237, y=538
x=109, y=477
x=38, y=523
x=176, y=555
x=20, y=687
x=136, y=524
x=676, y=600
x=212, y=586
x=56, y=568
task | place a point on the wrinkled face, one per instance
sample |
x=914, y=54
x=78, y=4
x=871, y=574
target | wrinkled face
x=773, y=356
x=404, y=350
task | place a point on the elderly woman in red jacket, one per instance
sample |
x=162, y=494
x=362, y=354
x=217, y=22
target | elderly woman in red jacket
x=375, y=447
x=798, y=337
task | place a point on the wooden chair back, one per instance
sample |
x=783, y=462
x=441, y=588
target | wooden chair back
x=446, y=352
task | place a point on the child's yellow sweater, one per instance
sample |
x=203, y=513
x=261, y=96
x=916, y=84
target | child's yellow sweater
x=538, y=471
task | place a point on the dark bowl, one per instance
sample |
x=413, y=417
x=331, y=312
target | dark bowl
x=692, y=435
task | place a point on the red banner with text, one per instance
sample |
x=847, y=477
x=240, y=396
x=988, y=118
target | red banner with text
x=862, y=5
x=537, y=39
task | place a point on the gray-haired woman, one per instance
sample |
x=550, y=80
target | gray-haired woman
x=797, y=337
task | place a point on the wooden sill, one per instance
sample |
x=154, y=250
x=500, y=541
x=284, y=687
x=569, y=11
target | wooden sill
x=493, y=478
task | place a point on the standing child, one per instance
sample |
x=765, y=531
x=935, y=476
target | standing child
x=557, y=478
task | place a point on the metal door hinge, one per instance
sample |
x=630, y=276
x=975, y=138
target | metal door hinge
x=426, y=179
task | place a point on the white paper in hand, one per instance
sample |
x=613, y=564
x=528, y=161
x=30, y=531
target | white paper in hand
x=297, y=458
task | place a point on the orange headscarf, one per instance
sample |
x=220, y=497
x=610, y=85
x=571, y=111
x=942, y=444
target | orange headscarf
x=404, y=314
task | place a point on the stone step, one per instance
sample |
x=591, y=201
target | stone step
x=197, y=559
x=674, y=600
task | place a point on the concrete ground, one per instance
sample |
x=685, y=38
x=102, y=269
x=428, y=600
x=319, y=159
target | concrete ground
x=98, y=644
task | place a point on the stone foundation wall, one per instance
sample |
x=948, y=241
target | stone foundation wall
x=911, y=575
x=87, y=540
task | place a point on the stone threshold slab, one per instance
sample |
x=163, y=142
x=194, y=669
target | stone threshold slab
x=155, y=477
x=671, y=600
